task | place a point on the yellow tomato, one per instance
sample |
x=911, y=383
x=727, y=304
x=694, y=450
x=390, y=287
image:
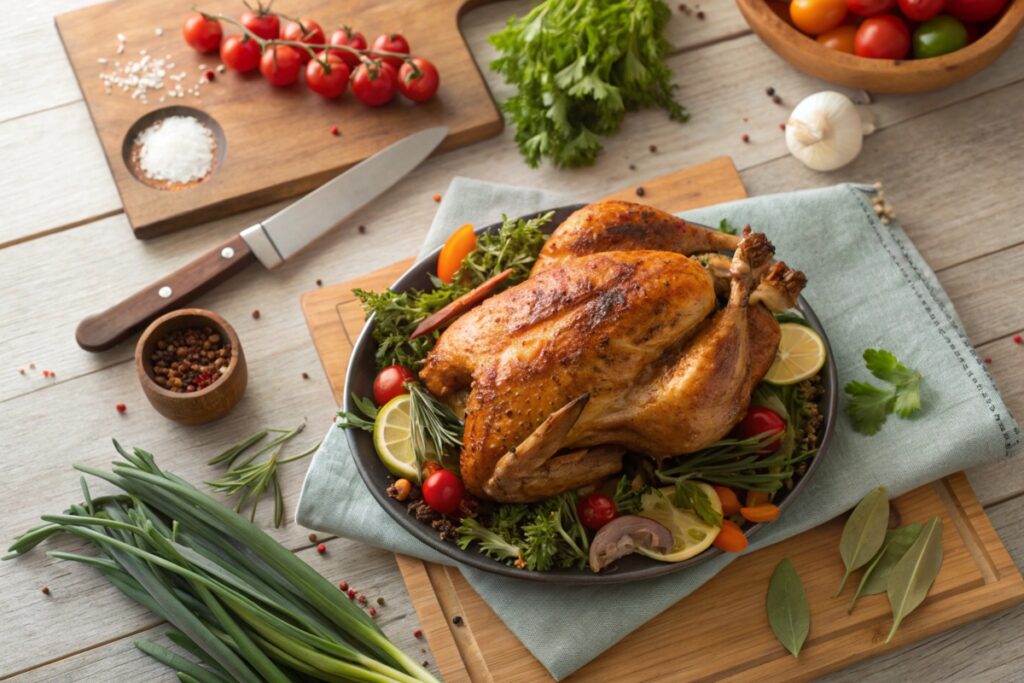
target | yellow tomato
x=839, y=38
x=817, y=16
x=458, y=246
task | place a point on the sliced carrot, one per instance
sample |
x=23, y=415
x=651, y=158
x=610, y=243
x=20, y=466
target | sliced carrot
x=730, y=539
x=760, y=513
x=755, y=498
x=730, y=503
x=458, y=247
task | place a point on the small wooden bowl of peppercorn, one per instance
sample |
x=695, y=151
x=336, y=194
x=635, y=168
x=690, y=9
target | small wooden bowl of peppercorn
x=191, y=366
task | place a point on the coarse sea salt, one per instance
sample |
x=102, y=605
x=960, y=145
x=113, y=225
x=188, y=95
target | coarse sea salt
x=178, y=149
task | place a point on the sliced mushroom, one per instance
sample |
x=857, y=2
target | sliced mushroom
x=623, y=536
x=460, y=305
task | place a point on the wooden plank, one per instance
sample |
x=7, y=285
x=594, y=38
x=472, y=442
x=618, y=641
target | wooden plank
x=720, y=84
x=293, y=124
x=370, y=571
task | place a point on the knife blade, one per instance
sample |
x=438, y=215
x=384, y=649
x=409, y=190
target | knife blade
x=271, y=242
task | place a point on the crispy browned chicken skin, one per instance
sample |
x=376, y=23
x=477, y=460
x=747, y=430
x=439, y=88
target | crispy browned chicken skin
x=614, y=343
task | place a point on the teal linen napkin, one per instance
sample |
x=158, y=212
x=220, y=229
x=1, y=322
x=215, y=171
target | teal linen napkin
x=869, y=287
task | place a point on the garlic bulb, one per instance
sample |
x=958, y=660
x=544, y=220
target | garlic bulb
x=826, y=131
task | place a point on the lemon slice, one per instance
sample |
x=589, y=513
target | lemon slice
x=392, y=437
x=801, y=354
x=690, y=534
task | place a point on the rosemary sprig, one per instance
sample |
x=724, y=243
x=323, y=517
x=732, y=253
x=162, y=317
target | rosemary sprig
x=436, y=430
x=737, y=463
x=249, y=480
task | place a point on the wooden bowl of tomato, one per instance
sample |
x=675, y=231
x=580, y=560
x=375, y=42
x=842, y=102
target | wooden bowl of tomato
x=893, y=46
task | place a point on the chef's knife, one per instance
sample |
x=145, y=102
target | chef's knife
x=270, y=242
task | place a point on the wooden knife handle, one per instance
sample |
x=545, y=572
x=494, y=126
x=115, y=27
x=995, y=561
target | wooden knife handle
x=103, y=330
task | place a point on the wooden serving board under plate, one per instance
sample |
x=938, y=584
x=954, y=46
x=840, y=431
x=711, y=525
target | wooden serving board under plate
x=720, y=632
x=276, y=141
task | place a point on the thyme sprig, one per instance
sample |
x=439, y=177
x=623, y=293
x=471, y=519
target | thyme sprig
x=249, y=480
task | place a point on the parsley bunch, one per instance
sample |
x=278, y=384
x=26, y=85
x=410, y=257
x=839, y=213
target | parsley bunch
x=870, y=405
x=577, y=68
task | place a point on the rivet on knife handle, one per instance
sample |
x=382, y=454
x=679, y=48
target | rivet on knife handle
x=103, y=330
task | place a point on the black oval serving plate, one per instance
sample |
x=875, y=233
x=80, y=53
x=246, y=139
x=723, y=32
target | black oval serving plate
x=359, y=380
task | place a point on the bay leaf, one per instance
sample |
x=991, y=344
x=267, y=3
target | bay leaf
x=913, y=575
x=876, y=575
x=788, y=612
x=864, y=533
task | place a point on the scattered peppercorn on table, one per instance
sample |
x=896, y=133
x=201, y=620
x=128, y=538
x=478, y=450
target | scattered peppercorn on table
x=952, y=165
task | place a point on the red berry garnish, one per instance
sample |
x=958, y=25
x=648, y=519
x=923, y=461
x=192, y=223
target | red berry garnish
x=321, y=548
x=121, y=407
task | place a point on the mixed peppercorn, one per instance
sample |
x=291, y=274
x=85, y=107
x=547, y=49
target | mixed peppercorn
x=190, y=359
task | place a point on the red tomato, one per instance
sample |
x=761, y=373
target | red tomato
x=354, y=39
x=202, y=34
x=596, y=510
x=883, y=37
x=761, y=420
x=374, y=84
x=392, y=42
x=390, y=382
x=280, y=64
x=313, y=34
x=869, y=8
x=418, y=79
x=329, y=82
x=443, y=491
x=920, y=10
x=240, y=53
x=974, y=10
x=840, y=39
x=817, y=16
x=266, y=26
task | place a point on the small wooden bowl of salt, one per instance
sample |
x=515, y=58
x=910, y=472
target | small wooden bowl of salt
x=191, y=366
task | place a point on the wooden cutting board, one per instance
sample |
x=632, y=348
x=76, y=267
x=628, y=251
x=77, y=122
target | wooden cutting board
x=276, y=141
x=720, y=632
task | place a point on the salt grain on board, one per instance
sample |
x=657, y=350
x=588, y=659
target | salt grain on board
x=178, y=149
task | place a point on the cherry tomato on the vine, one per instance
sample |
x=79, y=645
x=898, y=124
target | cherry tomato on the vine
x=240, y=53
x=309, y=32
x=265, y=25
x=202, y=34
x=869, y=8
x=761, y=420
x=353, y=39
x=817, y=16
x=883, y=37
x=840, y=39
x=281, y=64
x=390, y=382
x=974, y=10
x=330, y=82
x=418, y=80
x=939, y=36
x=920, y=10
x=443, y=491
x=596, y=510
x=374, y=83
x=391, y=42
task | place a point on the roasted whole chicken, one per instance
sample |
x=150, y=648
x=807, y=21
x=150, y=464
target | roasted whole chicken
x=634, y=332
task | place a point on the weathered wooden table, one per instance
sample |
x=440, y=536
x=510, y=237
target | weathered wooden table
x=952, y=161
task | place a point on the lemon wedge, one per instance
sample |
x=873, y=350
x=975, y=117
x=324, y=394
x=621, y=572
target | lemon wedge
x=690, y=534
x=392, y=437
x=801, y=354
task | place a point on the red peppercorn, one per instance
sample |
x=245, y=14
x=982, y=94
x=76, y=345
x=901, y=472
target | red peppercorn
x=343, y=585
x=21, y=370
x=210, y=75
x=256, y=314
x=334, y=130
x=746, y=138
x=373, y=611
x=988, y=361
x=362, y=599
x=700, y=14
x=782, y=127
x=46, y=590
x=120, y=407
x=362, y=229
x=1017, y=339
x=417, y=633
x=351, y=593
x=321, y=548
x=437, y=197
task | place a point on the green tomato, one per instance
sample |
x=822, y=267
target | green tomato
x=939, y=36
